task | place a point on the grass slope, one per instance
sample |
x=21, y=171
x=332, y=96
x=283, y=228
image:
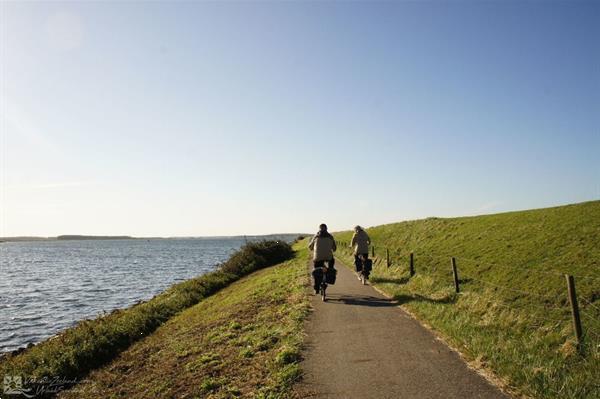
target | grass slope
x=512, y=315
x=243, y=341
x=92, y=343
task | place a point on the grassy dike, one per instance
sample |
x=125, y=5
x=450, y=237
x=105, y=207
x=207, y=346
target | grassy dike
x=512, y=316
x=92, y=343
x=243, y=341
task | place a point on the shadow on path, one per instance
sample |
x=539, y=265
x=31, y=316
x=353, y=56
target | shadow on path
x=364, y=300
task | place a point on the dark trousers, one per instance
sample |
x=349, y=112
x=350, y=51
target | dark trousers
x=358, y=262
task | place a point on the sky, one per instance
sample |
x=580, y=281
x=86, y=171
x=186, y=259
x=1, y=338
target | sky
x=226, y=118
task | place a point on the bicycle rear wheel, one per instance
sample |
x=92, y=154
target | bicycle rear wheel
x=323, y=292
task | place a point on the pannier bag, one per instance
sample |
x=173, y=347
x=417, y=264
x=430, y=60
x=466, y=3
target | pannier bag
x=330, y=275
x=368, y=265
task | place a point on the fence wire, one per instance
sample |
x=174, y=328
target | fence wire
x=588, y=303
x=480, y=262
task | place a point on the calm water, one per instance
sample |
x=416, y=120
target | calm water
x=50, y=285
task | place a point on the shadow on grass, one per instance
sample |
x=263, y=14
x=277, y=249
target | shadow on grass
x=390, y=280
x=361, y=301
x=402, y=299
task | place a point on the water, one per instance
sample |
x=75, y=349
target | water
x=47, y=286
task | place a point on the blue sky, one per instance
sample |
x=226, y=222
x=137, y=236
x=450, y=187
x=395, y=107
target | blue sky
x=206, y=118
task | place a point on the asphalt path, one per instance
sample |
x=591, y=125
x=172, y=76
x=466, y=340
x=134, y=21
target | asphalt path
x=360, y=344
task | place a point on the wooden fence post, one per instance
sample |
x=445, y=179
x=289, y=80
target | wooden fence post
x=387, y=254
x=412, y=264
x=574, y=308
x=455, y=273
x=373, y=251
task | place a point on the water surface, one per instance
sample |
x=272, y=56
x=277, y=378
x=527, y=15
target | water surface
x=47, y=286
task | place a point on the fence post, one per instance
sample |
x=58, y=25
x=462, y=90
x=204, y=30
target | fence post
x=373, y=251
x=412, y=264
x=455, y=273
x=574, y=308
x=387, y=254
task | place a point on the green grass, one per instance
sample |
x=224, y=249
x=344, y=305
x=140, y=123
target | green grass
x=512, y=316
x=243, y=341
x=92, y=343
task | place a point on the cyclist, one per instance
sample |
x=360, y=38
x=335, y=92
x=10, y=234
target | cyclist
x=360, y=242
x=323, y=246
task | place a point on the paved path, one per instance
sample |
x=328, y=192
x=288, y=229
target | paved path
x=361, y=345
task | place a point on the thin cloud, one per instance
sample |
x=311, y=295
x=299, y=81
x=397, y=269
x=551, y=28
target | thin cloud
x=19, y=122
x=488, y=206
x=64, y=31
x=63, y=184
x=43, y=186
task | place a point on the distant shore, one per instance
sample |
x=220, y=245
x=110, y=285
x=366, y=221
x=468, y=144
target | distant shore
x=65, y=237
x=73, y=237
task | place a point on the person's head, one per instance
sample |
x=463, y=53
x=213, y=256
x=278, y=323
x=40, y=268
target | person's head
x=322, y=227
x=357, y=228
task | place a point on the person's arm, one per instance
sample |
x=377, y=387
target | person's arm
x=353, y=242
x=368, y=239
x=334, y=245
x=311, y=244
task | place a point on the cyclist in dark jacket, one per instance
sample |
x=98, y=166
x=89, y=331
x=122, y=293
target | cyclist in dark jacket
x=323, y=247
